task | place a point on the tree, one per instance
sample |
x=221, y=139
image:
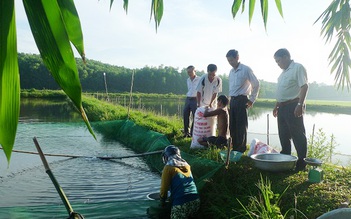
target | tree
x=336, y=18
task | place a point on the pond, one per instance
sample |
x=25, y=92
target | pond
x=95, y=188
x=261, y=122
x=329, y=123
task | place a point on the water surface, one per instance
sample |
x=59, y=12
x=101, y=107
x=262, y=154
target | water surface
x=96, y=188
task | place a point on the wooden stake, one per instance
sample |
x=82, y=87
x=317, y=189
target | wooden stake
x=131, y=92
x=229, y=144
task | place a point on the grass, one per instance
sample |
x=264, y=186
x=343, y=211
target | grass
x=265, y=205
x=220, y=196
x=236, y=186
x=52, y=94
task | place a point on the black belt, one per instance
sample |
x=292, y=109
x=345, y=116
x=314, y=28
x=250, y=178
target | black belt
x=191, y=98
x=288, y=102
x=238, y=97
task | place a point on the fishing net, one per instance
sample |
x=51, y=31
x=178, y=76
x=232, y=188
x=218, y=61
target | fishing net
x=141, y=140
x=117, y=209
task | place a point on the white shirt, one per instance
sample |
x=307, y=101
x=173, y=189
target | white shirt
x=290, y=82
x=242, y=81
x=209, y=89
x=192, y=85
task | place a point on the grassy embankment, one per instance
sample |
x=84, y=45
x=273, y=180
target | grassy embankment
x=221, y=194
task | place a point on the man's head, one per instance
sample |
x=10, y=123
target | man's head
x=191, y=71
x=222, y=100
x=282, y=58
x=233, y=58
x=211, y=70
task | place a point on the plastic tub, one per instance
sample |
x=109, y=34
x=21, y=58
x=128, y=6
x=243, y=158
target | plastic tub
x=274, y=162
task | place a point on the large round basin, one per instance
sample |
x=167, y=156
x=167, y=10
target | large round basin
x=341, y=213
x=274, y=162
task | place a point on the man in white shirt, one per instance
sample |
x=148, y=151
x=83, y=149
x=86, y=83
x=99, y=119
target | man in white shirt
x=291, y=93
x=243, y=91
x=190, y=102
x=209, y=87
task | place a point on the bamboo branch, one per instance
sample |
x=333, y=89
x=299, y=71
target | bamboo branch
x=52, y=177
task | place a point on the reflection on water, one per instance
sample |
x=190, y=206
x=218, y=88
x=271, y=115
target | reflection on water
x=32, y=109
x=98, y=188
x=331, y=124
x=261, y=121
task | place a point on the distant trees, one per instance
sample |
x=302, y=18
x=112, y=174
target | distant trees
x=161, y=80
x=34, y=74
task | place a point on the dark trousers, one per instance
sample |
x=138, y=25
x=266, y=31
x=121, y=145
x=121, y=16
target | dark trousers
x=292, y=128
x=189, y=107
x=238, y=122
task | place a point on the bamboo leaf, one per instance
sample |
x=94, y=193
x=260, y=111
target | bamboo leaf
x=125, y=5
x=235, y=7
x=336, y=18
x=111, y=3
x=9, y=77
x=251, y=10
x=243, y=6
x=52, y=40
x=72, y=23
x=157, y=11
x=264, y=11
x=278, y=3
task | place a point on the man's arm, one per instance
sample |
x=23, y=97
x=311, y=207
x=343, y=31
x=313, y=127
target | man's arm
x=214, y=96
x=215, y=112
x=255, y=85
x=198, y=98
x=302, y=97
x=303, y=94
x=166, y=179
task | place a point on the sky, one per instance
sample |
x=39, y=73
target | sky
x=198, y=32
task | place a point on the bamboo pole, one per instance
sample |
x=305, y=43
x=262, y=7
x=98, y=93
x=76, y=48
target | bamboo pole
x=267, y=129
x=107, y=98
x=312, y=138
x=60, y=191
x=131, y=92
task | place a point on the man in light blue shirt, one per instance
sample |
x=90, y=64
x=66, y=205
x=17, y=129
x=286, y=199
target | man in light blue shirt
x=243, y=91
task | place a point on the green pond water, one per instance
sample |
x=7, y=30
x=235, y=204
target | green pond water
x=96, y=188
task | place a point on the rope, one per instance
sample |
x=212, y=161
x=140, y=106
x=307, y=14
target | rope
x=82, y=156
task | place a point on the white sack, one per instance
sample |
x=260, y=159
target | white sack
x=258, y=147
x=203, y=127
